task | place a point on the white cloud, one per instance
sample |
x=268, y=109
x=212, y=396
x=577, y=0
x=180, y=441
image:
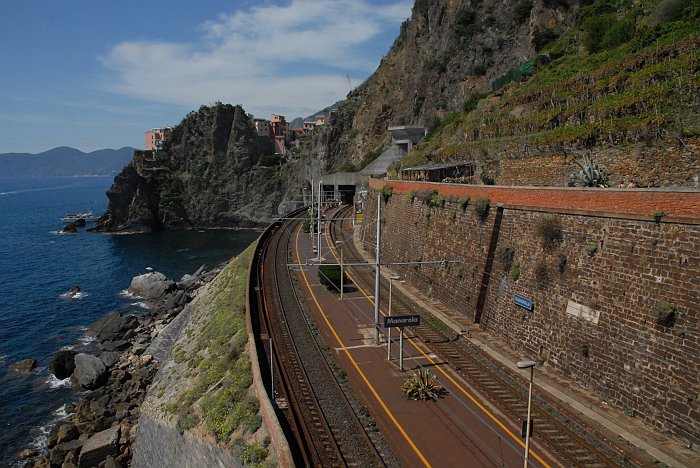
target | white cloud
x=291, y=59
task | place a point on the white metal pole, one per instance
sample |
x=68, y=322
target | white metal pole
x=342, y=276
x=529, y=415
x=388, y=338
x=318, y=243
x=311, y=225
x=272, y=373
x=401, y=348
x=376, y=270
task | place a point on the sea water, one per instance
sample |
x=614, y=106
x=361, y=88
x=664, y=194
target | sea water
x=38, y=264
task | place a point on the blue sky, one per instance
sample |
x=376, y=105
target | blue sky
x=95, y=74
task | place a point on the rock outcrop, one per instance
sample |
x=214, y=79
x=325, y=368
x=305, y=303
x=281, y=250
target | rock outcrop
x=90, y=372
x=210, y=173
x=23, y=366
x=62, y=364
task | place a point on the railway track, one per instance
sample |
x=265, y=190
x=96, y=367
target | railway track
x=320, y=422
x=557, y=431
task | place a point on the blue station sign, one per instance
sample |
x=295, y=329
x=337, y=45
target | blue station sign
x=523, y=302
x=402, y=321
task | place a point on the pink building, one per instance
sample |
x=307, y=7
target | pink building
x=155, y=137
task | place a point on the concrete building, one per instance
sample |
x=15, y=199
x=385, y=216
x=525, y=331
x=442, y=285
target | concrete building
x=402, y=140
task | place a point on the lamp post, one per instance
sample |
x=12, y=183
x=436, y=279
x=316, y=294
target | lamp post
x=528, y=365
x=388, y=342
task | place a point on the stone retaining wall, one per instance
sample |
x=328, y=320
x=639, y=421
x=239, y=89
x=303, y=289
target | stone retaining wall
x=597, y=288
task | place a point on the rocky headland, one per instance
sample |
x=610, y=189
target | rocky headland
x=100, y=430
x=213, y=171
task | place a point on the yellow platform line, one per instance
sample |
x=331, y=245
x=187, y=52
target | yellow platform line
x=443, y=372
x=357, y=367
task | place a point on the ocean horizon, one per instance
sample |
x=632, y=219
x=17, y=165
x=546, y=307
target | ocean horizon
x=39, y=264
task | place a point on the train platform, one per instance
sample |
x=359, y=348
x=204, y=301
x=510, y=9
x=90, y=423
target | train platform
x=459, y=428
x=643, y=442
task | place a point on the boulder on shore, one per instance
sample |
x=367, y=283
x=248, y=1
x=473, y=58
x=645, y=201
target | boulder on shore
x=63, y=363
x=113, y=326
x=151, y=286
x=100, y=446
x=90, y=372
x=25, y=365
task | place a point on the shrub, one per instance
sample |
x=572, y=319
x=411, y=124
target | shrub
x=437, y=199
x=606, y=31
x=522, y=11
x=410, y=196
x=329, y=276
x=386, y=192
x=464, y=202
x=591, y=249
x=486, y=179
x=479, y=70
x=549, y=229
x=584, y=350
x=542, y=274
x=515, y=272
x=506, y=254
x=658, y=215
x=421, y=385
x=252, y=454
x=466, y=24
x=471, y=103
x=481, y=207
x=666, y=313
x=541, y=37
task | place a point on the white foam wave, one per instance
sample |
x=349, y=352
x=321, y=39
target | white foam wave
x=142, y=305
x=125, y=293
x=40, y=442
x=55, y=382
x=85, y=339
x=3, y=358
x=79, y=295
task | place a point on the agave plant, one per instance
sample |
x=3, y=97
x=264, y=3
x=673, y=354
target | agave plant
x=421, y=386
x=591, y=175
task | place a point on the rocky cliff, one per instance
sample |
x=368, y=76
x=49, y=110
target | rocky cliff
x=214, y=171
x=447, y=52
x=524, y=90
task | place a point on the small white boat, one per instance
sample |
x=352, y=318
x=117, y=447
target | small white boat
x=72, y=217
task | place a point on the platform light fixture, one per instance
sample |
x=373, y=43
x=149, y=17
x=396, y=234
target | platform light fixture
x=528, y=365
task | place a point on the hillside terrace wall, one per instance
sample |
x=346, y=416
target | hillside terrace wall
x=596, y=294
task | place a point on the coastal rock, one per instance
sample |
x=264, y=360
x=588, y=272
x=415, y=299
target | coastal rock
x=63, y=363
x=72, y=292
x=109, y=358
x=113, y=326
x=99, y=446
x=25, y=365
x=28, y=453
x=117, y=345
x=70, y=228
x=175, y=300
x=151, y=286
x=62, y=432
x=189, y=282
x=90, y=372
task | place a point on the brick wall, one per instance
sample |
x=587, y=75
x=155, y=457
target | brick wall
x=595, y=292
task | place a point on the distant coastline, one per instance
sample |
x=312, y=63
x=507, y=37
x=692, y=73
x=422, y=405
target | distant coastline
x=65, y=162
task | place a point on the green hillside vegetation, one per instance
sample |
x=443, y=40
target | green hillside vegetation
x=206, y=388
x=629, y=71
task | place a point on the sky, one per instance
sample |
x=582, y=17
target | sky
x=94, y=74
